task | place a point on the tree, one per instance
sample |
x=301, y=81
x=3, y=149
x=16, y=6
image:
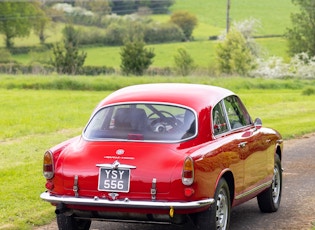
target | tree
x=247, y=28
x=17, y=19
x=123, y=7
x=160, y=7
x=301, y=36
x=66, y=58
x=186, y=21
x=41, y=21
x=184, y=63
x=99, y=8
x=135, y=58
x=233, y=56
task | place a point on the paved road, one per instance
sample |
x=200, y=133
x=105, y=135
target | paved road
x=297, y=210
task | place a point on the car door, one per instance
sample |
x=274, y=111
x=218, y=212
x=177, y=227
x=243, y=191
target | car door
x=229, y=145
x=248, y=142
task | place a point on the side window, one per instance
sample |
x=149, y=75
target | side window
x=218, y=120
x=236, y=112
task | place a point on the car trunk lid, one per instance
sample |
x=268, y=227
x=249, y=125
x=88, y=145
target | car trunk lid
x=101, y=168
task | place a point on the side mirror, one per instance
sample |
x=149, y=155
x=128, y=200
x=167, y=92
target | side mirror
x=258, y=123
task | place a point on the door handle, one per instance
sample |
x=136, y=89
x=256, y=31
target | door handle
x=242, y=144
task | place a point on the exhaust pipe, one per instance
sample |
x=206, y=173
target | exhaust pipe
x=62, y=209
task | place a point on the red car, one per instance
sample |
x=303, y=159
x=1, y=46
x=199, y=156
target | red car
x=165, y=153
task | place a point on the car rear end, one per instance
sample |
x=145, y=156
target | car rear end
x=123, y=169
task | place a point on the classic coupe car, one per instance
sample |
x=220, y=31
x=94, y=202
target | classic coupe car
x=165, y=153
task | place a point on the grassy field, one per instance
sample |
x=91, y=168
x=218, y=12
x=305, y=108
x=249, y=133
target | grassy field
x=203, y=53
x=33, y=120
x=274, y=18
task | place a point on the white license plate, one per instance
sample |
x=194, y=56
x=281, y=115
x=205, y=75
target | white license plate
x=114, y=180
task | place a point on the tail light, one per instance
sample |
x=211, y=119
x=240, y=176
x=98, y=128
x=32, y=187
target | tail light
x=48, y=165
x=188, y=171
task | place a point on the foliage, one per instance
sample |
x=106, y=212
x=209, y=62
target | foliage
x=186, y=21
x=35, y=68
x=115, y=34
x=96, y=70
x=44, y=69
x=117, y=30
x=5, y=56
x=273, y=67
x=162, y=33
x=301, y=35
x=184, y=63
x=127, y=7
x=300, y=66
x=233, y=55
x=67, y=59
x=96, y=6
x=17, y=19
x=41, y=21
x=135, y=58
x=247, y=28
x=91, y=36
x=309, y=91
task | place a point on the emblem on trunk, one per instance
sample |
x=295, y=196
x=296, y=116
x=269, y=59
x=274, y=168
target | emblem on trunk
x=120, y=151
x=113, y=195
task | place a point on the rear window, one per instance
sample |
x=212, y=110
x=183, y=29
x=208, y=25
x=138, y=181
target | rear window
x=142, y=122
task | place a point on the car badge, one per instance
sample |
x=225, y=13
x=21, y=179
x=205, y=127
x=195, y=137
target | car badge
x=120, y=151
x=113, y=195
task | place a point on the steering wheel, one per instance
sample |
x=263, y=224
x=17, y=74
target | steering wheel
x=163, y=123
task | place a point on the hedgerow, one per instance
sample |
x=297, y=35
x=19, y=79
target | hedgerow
x=44, y=69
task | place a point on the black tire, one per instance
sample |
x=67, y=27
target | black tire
x=218, y=215
x=71, y=223
x=269, y=200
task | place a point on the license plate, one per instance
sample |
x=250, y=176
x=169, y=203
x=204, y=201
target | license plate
x=114, y=180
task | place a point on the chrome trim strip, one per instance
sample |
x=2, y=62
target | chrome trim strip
x=113, y=166
x=264, y=185
x=126, y=203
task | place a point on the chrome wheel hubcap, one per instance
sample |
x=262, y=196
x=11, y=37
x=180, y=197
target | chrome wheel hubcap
x=276, y=185
x=222, y=210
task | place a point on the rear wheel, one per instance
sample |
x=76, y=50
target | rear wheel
x=218, y=215
x=71, y=223
x=269, y=200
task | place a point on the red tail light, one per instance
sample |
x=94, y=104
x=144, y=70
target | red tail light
x=48, y=165
x=188, y=172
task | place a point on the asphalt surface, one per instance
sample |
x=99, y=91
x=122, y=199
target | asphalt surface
x=297, y=209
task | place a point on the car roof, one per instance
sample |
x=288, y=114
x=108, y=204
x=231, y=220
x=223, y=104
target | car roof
x=196, y=96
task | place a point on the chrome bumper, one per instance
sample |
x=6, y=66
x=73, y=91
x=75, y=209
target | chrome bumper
x=126, y=203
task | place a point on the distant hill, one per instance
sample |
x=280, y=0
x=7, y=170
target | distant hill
x=274, y=15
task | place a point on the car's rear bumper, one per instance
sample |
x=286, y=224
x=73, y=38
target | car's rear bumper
x=126, y=203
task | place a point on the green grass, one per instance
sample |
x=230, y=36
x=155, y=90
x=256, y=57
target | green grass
x=164, y=53
x=33, y=120
x=203, y=53
x=274, y=47
x=273, y=15
x=288, y=111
